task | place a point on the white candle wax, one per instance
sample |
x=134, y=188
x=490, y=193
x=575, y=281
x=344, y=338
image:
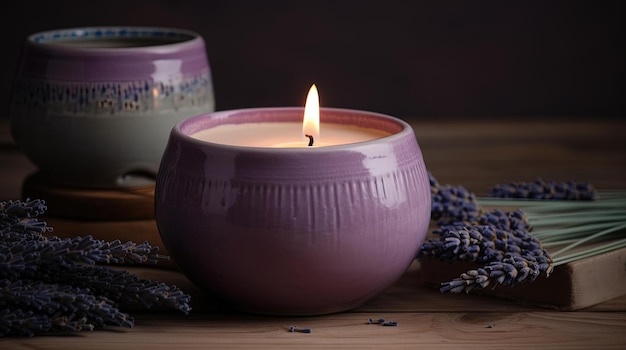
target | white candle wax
x=286, y=135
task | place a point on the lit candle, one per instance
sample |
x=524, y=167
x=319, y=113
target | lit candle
x=289, y=134
x=311, y=121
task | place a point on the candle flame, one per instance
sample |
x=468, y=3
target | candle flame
x=311, y=122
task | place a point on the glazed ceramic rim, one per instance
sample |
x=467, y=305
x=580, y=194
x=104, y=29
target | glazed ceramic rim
x=184, y=129
x=47, y=39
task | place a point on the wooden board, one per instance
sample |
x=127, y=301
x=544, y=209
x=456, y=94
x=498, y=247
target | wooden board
x=573, y=286
x=131, y=203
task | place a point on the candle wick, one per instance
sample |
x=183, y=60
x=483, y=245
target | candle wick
x=310, y=139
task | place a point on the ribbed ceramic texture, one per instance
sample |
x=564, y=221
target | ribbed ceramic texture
x=93, y=106
x=293, y=231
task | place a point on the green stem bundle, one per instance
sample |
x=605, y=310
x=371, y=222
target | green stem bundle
x=575, y=229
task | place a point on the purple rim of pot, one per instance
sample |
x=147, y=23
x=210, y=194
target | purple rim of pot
x=282, y=164
x=396, y=128
x=46, y=58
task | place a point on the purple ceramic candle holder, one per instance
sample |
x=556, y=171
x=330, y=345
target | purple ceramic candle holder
x=293, y=231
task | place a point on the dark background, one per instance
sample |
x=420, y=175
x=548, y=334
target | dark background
x=405, y=58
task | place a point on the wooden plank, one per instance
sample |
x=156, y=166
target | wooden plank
x=448, y=330
x=132, y=203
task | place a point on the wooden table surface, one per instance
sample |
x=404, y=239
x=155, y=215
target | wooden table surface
x=475, y=153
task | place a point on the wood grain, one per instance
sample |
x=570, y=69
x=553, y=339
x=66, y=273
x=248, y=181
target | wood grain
x=450, y=330
x=478, y=153
x=131, y=203
x=425, y=318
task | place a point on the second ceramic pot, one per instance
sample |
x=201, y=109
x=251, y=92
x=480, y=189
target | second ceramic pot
x=93, y=107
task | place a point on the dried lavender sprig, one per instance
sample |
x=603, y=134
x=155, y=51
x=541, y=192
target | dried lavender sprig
x=606, y=200
x=29, y=254
x=572, y=223
x=465, y=244
x=451, y=203
x=30, y=208
x=484, y=238
x=617, y=228
x=545, y=190
x=505, y=220
x=54, y=300
x=14, y=260
x=118, y=285
x=18, y=322
x=511, y=270
x=22, y=245
x=604, y=248
x=89, y=250
x=500, y=239
x=511, y=256
x=557, y=234
x=547, y=219
x=18, y=220
x=481, y=243
x=18, y=224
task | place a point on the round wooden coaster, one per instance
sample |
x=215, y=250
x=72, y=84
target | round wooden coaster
x=132, y=203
